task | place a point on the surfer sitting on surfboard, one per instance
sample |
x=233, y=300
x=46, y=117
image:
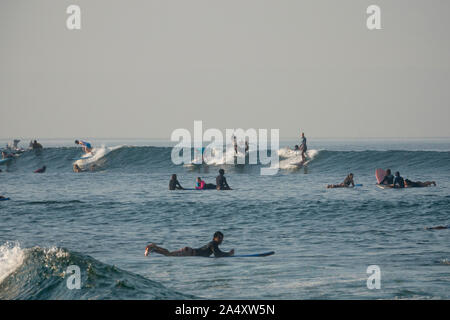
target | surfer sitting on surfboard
x=221, y=181
x=205, y=251
x=346, y=184
x=87, y=147
x=399, y=182
x=388, y=178
x=174, y=184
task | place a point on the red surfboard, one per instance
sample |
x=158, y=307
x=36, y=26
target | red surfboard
x=380, y=174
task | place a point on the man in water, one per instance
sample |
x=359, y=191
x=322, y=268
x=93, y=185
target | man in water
x=388, y=178
x=438, y=227
x=76, y=168
x=221, y=181
x=41, y=170
x=303, y=146
x=346, y=184
x=418, y=184
x=205, y=251
x=86, y=145
x=398, y=181
x=174, y=184
x=36, y=145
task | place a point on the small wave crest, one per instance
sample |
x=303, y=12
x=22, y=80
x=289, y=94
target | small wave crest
x=42, y=273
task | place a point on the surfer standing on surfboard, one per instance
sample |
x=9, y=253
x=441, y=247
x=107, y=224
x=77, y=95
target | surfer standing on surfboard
x=87, y=147
x=303, y=147
x=205, y=251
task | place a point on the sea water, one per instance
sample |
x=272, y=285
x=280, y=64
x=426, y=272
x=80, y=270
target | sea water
x=324, y=239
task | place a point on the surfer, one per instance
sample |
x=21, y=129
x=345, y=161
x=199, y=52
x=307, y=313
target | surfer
x=36, y=145
x=221, y=181
x=399, y=182
x=246, y=146
x=87, y=147
x=76, y=168
x=303, y=147
x=418, y=184
x=346, y=184
x=438, y=227
x=235, y=144
x=202, y=185
x=388, y=178
x=174, y=184
x=205, y=251
x=41, y=170
x=6, y=155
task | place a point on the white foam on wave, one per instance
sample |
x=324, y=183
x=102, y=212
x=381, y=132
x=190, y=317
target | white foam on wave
x=292, y=159
x=97, y=154
x=11, y=258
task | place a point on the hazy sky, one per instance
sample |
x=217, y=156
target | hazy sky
x=145, y=68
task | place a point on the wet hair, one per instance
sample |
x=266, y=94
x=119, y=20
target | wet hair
x=76, y=141
x=350, y=174
x=397, y=174
x=174, y=176
x=221, y=171
x=388, y=171
x=199, y=178
x=407, y=181
x=218, y=234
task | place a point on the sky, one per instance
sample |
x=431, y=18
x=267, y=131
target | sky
x=145, y=68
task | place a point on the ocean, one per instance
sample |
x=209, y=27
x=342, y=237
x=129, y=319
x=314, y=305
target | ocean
x=324, y=239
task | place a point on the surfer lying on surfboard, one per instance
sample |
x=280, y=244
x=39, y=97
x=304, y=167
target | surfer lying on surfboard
x=418, y=184
x=202, y=185
x=346, y=184
x=205, y=251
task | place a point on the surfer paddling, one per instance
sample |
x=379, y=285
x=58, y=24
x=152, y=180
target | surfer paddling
x=205, y=251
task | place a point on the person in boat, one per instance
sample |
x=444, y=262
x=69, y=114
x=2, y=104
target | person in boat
x=348, y=182
x=205, y=251
x=174, y=184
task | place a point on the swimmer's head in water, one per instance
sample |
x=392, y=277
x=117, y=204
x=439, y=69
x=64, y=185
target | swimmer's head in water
x=218, y=237
x=221, y=171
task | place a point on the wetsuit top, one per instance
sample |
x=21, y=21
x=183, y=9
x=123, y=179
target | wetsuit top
x=388, y=179
x=86, y=144
x=413, y=184
x=348, y=181
x=303, y=144
x=399, y=181
x=200, y=186
x=221, y=182
x=174, y=184
x=209, y=249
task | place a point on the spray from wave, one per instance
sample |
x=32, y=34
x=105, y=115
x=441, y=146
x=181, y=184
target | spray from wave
x=42, y=273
